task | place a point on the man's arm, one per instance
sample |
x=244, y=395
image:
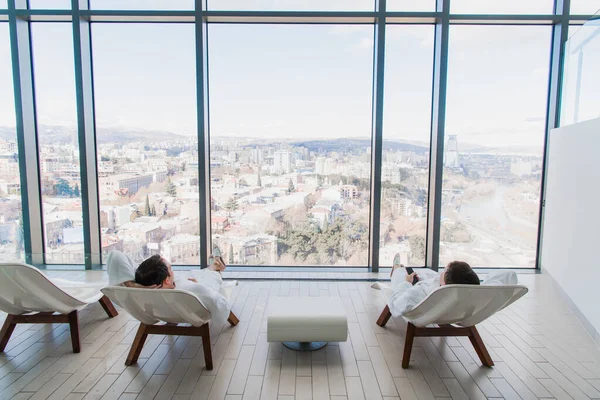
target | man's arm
x=405, y=296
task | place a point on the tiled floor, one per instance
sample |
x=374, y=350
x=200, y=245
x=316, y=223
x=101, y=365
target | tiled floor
x=540, y=348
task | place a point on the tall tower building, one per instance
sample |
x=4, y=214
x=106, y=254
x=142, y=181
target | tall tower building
x=257, y=156
x=282, y=161
x=451, y=156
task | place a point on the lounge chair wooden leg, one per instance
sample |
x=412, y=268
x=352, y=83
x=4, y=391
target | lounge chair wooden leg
x=74, y=327
x=384, y=317
x=480, y=348
x=408, y=344
x=7, y=330
x=108, y=307
x=138, y=344
x=233, y=320
x=206, y=347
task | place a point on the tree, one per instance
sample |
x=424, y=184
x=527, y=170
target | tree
x=231, y=205
x=153, y=211
x=63, y=188
x=76, y=191
x=171, y=188
x=291, y=187
x=231, y=259
x=417, y=249
x=147, y=209
x=258, y=182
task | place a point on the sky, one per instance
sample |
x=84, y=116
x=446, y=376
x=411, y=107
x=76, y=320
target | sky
x=269, y=81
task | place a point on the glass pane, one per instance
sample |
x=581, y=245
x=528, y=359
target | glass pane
x=142, y=4
x=581, y=83
x=502, y=7
x=3, y=4
x=497, y=94
x=145, y=94
x=411, y=5
x=295, y=5
x=290, y=134
x=406, y=140
x=52, y=48
x=11, y=231
x=50, y=4
x=585, y=7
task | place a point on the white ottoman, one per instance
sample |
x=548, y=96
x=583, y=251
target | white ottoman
x=306, y=323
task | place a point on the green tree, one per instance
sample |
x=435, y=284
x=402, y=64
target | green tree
x=76, y=191
x=258, y=182
x=291, y=187
x=171, y=188
x=231, y=205
x=231, y=258
x=63, y=188
x=147, y=209
x=153, y=212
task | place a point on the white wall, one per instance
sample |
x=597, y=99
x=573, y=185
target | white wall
x=571, y=235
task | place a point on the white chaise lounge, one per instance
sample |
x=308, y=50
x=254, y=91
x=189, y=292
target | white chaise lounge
x=28, y=296
x=173, y=306
x=462, y=305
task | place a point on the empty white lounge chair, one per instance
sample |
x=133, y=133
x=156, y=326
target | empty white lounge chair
x=450, y=305
x=28, y=296
x=173, y=306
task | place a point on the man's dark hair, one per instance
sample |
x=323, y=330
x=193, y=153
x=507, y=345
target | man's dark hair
x=152, y=271
x=459, y=272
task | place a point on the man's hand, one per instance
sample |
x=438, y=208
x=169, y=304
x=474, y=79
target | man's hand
x=411, y=277
x=193, y=280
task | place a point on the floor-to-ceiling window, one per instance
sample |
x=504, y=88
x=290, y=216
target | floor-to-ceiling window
x=11, y=230
x=52, y=52
x=406, y=142
x=290, y=128
x=145, y=95
x=496, y=107
x=302, y=103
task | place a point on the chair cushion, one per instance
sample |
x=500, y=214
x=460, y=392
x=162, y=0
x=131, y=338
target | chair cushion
x=306, y=319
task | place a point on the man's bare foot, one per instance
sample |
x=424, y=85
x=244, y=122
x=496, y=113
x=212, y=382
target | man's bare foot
x=218, y=264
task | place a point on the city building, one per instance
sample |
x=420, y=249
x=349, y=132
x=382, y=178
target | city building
x=127, y=185
x=282, y=161
x=451, y=155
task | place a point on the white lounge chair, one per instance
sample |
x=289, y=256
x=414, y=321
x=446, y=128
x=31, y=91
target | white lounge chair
x=462, y=305
x=173, y=306
x=28, y=296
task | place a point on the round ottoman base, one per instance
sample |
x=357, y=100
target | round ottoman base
x=305, y=346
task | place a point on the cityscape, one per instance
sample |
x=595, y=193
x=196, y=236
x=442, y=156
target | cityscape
x=277, y=202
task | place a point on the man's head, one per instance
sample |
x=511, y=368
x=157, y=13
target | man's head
x=155, y=271
x=459, y=272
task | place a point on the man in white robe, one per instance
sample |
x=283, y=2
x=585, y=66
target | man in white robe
x=155, y=272
x=407, y=296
